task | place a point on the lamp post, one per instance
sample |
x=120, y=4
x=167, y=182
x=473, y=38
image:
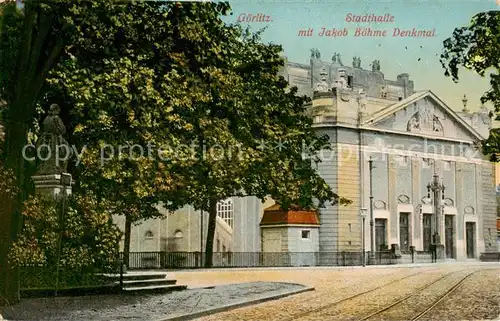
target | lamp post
x=201, y=238
x=372, y=236
x=65, y=182
x=362, y=212
x=438, y=197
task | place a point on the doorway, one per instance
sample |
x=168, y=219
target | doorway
x=427, y=231
x=380, y=234
x=404, y=231
x=448, y=234
x=470, y=238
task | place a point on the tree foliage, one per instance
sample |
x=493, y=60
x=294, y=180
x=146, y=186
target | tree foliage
x=31, y=43
x=89, y=238
x=475, y=47
x=205, y=95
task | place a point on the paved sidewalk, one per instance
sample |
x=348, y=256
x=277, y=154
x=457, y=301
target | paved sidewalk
x=159, y=307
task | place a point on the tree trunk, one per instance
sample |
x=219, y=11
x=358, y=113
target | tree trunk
x=212, y=221
x=9, y=278
x=10, y=208
x=126, y=243
x=32, y=68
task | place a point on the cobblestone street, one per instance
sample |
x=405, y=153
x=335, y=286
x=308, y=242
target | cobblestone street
x=458, y=291
x=455, y=291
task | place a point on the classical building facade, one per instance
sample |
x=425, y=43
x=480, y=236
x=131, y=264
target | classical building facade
x=237, y=228
x=412, y=138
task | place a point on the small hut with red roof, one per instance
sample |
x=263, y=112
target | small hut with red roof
x=291, y=235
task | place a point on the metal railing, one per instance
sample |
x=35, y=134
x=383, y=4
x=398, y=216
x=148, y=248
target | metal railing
x=193, y=260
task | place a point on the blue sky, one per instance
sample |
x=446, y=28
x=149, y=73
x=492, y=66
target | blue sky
x=396, y=55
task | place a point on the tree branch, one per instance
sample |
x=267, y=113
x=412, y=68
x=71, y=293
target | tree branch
x=24, y=50
x=36, y=52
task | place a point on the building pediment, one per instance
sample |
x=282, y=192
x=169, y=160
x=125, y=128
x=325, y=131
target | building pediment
x=425, y=114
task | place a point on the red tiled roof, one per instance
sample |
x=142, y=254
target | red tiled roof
x=274, y=215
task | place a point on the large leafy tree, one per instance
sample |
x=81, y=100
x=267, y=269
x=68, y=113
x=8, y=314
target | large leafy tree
x=132, y=112
x=475, y=47
x=200, y=87
x=250, y=127
x=31, y=43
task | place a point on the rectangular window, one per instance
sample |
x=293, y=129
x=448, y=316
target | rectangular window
x=223, y=248
x=218, y=245
x=306, y=234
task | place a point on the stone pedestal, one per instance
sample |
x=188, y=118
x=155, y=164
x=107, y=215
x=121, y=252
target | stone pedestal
x=52, y=186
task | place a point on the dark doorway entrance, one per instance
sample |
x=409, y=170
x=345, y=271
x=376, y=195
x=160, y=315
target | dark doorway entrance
x=448, y=234
x=427, y=231
x=380, y=234
x=470, y=237
x=404, y=231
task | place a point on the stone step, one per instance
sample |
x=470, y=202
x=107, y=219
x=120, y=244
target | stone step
x=138, y=276
x=154, y=288
x=138, y=283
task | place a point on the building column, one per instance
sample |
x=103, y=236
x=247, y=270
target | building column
x=393, y=224
x=459, y=204
x=416, y=197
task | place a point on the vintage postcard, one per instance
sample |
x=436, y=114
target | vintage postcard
x=249, y=160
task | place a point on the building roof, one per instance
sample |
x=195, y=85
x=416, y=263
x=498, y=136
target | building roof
x=388, y=111
x=275, y=215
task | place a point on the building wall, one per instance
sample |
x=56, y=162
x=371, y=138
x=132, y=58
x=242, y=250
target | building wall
x=298, y=244
x=349, y=220
x=328, y=216
x=488, y=201
x=396, y=176
x=247, y=214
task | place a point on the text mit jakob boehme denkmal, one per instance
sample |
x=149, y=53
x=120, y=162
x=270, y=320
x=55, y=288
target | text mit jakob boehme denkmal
x=368, y=31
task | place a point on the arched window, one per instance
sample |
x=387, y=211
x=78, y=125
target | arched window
x=149, y=235
x=178, y=234
x=225, y=210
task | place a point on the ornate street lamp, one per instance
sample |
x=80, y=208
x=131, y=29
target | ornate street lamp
x=372, y=236
x=437, y=189
x=65, y=181
x=362, y=212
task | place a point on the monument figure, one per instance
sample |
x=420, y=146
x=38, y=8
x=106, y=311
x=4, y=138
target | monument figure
x=424, y=121
x=356, y=62
x=315, y=53
x=376, y=65
x=53, y=149
x=322, y=85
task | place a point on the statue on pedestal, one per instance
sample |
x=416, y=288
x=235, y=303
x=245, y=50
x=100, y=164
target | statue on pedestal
x=322, y=85
x=356, y=62
x=376, y=65
x=315, y=54
x=53, y=151
x=336, y=59
x=341, y=80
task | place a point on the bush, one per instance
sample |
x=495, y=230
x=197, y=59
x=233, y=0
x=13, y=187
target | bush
x=90, y=242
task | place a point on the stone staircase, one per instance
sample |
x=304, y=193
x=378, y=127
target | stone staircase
x=146, y=282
